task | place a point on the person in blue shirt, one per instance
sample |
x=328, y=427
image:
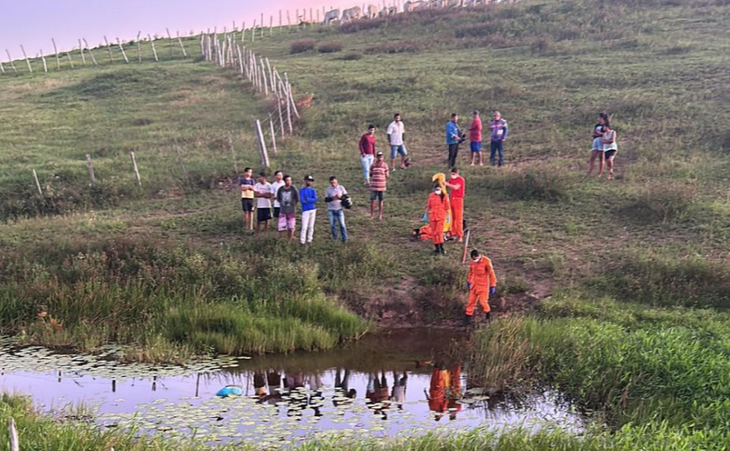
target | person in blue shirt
x=453, y=139
x=308, y=199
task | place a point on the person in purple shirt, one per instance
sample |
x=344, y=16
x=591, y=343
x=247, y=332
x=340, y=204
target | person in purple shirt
x=498, y=135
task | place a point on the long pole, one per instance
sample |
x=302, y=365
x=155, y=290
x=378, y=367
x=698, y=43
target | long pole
x=91, y=169
x=81, y=51
x=10, y=60
x=109, y=48
x=58, y=57
x=91, y=54
x=136, y=169
x=27, y=61
x=466, y=246
x=37, y=183
x=273, y=133
x=154, y=51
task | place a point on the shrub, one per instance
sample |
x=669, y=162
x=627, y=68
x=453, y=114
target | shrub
x=302, y=45
x=330, y=47
x=351, y=57
x=408, y=46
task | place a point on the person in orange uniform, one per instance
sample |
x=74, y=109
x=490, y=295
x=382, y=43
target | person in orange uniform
x=457, y=187
x=481, y=283
x=437, y=209
x=444, y=391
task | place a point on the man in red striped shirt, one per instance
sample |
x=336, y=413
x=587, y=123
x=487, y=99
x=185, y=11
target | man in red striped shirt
x=379, y=175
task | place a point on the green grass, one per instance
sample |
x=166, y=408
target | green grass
x=638, y=331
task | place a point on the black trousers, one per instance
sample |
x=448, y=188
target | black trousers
x=453, y=153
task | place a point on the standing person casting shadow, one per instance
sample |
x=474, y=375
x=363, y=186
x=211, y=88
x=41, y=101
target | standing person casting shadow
x=598, y=146
x=610, y=148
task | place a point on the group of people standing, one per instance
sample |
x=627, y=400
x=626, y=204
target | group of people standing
x=286, y=197
x=498, y=131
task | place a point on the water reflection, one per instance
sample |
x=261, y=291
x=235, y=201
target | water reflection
x=382, y=387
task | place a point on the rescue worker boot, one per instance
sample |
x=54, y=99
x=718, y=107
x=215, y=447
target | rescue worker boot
x=467, y=321
x=436, y=249
x=441, y=249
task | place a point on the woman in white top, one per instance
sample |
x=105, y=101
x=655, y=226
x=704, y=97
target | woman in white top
x=597, y=148
x=610, y=147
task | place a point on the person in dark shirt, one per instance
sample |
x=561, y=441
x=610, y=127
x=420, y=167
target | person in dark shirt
x=288, y=197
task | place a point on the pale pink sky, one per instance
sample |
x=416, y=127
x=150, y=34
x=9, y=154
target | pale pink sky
x=33, y=23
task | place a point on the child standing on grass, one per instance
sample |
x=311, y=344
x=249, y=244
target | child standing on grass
x=247, y=183
x=597, y=148
x=288, y=198
x=262, y=193
x=610, y=148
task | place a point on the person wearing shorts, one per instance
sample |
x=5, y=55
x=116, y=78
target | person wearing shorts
x=262, y=193
x=610, y=147
x=288, y=198
x=378, y=180
x=278, y=183
x=597, y=147
x=475, y=138
x=246, y=182
x=396, y=133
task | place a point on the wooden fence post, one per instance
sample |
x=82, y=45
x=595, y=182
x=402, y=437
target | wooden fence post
x=233, y=152
x=182, y=47
x=91, y=54
x=264, y=81
x=27, y=61
x=81, y=51
x=281, y=116
x=37, y=183
x=109, y=48
x=2, y=69
x=169, y=36
x=124, y=54
x=291, y=97
x=273, y=134
x=154, y=51
x=139, y=46
x=70, y=60
x=136, y=169
x=55, y=50
x=262, y=144
x=45, y=67
x=91, y=169
x=288, y=112
x=182, y=164
x=14, y=443
x=10, y=60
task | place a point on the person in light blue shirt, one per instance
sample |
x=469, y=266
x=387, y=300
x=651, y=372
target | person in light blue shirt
x=453, y=139
x=308, y=199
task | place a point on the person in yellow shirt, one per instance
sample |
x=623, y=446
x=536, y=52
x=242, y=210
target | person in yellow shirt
x=247, y=184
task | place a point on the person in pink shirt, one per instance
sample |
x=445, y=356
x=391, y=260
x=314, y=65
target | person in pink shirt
x=475, y=138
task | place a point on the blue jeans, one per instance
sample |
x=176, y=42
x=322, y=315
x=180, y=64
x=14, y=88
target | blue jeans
x=367, y=161
x=497, y=146
x=395, y=150
x=337, y=217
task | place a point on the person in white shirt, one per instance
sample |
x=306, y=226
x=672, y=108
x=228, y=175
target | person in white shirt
x=262, y=193
x=396, y=131
x=278, y=183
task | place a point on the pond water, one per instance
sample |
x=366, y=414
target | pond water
x=385, y=386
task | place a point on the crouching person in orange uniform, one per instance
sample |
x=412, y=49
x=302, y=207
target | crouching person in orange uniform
x=437, y=209
x=481, y=283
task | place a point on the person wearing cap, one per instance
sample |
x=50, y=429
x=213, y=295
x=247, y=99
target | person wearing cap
x=457, y=190
x=475, y=138
x=335, y=213
x=453, y=138
x=288, y=198
x=481, y=283
x=308, y=198
x=437, y=209
x=379, y=175
x=367, y=151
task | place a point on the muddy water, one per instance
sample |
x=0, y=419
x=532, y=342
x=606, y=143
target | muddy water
x=385, y=386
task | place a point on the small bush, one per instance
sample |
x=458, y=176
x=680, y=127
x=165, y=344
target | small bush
x=351, y=57
x=330, y=47
x=660, y=204
x=302, y=45
x=409, y=46
x=362, y=24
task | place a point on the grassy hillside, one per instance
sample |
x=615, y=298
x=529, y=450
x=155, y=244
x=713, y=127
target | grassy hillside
x=625, y=284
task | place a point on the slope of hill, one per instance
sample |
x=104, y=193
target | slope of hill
x=625, y=284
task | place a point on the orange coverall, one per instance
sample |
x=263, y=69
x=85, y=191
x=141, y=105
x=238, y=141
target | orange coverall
x=482, y=278
x=457, y=207
x=438, y=208
x=445, y=389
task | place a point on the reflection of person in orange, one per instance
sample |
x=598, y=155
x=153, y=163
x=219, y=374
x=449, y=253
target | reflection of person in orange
x=481, y=282
x=273, y=380
x=457, y=187
x=259, y=384
x=437, y=209
x=444, y=391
